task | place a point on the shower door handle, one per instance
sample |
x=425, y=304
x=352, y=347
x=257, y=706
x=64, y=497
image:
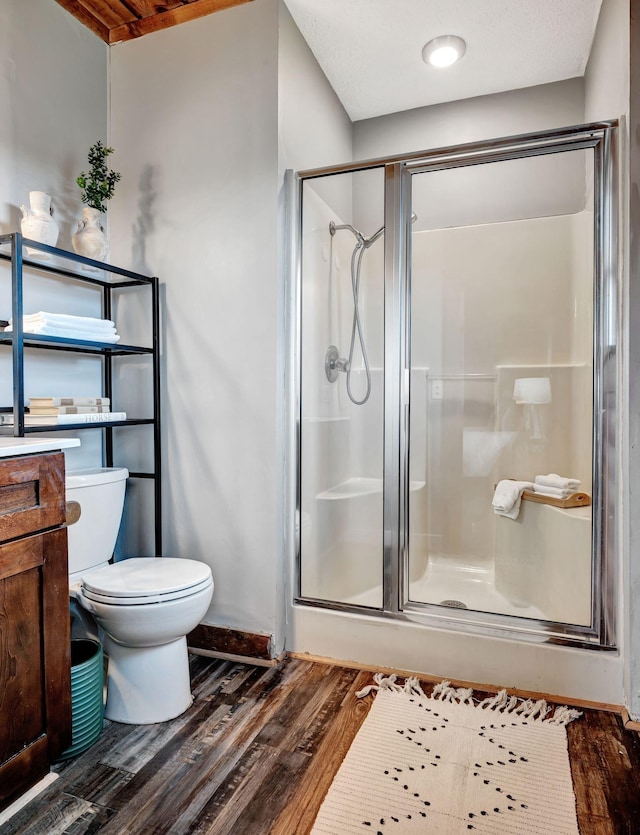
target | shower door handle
x=405, y=387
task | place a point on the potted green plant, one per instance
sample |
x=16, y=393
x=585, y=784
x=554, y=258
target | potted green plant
x=97, y=187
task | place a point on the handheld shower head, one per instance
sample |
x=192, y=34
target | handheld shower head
x=362, y=241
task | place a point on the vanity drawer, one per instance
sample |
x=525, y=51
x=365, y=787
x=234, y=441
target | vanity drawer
x=32, y=494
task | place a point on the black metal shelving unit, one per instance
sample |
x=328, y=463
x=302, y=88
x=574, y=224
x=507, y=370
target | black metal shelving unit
x=62, y=263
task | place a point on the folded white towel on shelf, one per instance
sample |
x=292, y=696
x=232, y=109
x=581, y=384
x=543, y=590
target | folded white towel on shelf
x=508, y=496
x=66, y=319
x=555, y=480
x=70, y=333
x=556, y=492
x=66, y=328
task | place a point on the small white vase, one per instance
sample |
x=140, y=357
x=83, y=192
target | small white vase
x=90, y=239
x=37, y=222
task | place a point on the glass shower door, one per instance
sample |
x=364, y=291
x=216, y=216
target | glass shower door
x=501, y=363
x=340, y=515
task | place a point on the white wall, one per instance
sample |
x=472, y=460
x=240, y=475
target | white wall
x=53, y=94
x=53, y=100
x=471, y=120
x=194, y=115
x=606, y=79
x=631, y=577
x=313, y=127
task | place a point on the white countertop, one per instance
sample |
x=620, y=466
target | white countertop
x=24, y=446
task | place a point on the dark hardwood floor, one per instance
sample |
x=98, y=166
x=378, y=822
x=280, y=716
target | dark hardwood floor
x=256, y=753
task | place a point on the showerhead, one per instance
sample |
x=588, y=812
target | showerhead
x=333, y=229
x=362, y=241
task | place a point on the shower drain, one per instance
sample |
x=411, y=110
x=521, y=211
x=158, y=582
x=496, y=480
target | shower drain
x=454, y=604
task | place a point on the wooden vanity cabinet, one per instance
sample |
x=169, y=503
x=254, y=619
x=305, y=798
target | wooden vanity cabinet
x=35, y=647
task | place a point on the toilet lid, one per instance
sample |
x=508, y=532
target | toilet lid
x=146, y=580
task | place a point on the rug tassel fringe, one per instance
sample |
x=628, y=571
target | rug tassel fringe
x=446, y=693
x=383, y=682
x=501, y=702
x=564, y=715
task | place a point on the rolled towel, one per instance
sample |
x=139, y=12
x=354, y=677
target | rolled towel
x=508, y=496
x=556, y=492
x=555, y=480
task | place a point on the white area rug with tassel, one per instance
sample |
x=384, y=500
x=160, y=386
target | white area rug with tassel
x=445, y=765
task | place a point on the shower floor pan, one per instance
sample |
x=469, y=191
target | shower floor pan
x=457, y=586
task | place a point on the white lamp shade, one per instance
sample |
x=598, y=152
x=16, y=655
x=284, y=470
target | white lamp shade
x=532, y=390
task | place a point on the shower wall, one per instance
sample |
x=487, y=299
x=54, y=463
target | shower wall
x=491, y=304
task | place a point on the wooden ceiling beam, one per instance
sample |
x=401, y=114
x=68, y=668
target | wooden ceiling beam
x=114, y=21
x=149, y=8
x=110, y=12
x=86, y=17
x=164, y=20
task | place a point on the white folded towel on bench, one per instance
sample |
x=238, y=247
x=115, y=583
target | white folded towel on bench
x=555, y=492
x=558, y=481
x=508, y=496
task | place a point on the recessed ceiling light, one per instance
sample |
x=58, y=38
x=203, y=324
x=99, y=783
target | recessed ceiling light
x=443, y=50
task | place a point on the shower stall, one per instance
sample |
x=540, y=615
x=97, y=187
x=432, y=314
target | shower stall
x=456, y=327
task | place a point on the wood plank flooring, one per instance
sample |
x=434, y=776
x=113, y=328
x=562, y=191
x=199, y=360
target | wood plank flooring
x=257, y=751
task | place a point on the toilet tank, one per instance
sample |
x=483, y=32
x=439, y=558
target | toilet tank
x=100, y=493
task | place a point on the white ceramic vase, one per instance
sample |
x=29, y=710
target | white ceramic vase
x=37, y=222
x=90, y=239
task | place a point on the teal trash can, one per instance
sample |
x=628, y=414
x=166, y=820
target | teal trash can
x=87, y=696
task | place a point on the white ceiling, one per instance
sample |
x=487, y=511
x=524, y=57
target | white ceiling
x=371, y=50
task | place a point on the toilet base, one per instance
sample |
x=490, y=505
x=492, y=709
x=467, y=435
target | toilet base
x=146, y=685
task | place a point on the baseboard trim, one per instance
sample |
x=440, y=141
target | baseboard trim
x=232, y=644
x=237, y=659
x=629, y=723
x=27, y=797
x=489, y=688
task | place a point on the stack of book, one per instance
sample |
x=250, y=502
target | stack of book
x=66, y=410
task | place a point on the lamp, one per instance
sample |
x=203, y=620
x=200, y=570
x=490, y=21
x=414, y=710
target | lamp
x=532, y=392
x=443, y=50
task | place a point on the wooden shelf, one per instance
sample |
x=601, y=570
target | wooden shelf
x=574, y=500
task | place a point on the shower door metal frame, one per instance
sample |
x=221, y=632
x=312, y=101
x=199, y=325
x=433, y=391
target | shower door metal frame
x=398, y=171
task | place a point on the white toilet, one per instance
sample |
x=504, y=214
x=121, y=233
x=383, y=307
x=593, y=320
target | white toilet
x=144, y=606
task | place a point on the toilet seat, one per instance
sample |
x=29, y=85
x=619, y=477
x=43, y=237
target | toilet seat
x=146, y=580
x=145, y=599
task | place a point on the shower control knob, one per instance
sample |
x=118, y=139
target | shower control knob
x=334, y=363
